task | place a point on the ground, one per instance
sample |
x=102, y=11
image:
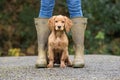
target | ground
x=97, y=67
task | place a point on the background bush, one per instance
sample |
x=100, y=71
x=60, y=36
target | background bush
x=18, y=34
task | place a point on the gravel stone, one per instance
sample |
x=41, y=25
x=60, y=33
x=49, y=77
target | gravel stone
x=97, y=67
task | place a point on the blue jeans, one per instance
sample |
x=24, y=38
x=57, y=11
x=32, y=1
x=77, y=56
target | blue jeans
x=74, y=7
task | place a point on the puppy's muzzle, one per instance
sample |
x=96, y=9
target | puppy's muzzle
x=59, y=27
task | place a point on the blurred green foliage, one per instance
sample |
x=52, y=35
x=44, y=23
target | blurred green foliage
x=17, y=28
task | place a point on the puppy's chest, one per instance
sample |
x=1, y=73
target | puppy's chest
x=59, y=43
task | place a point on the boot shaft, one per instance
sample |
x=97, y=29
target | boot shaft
x=78, y=29
x=42, y=31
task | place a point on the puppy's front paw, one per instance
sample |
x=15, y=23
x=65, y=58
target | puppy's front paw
x=50, y=65
x=62, y=65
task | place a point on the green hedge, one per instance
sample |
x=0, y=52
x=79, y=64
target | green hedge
x=17, y=28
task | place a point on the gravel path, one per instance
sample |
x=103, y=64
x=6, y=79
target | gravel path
x=98, y=67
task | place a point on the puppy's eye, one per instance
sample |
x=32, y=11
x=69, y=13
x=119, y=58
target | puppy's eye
x=56, y=21
x=63, y=21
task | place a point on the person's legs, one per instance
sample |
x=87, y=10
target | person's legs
x=43, y=30
x=74, y=7
x=78, y=29
x=46, y=8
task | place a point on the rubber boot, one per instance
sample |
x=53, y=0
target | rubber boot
x=78, y=29
x=42, y=35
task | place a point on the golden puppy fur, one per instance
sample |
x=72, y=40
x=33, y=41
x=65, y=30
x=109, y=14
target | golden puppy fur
x=58, y=41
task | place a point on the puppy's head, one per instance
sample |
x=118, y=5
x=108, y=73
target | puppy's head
x=59, y=23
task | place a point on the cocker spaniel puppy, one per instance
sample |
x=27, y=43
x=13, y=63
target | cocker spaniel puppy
x=58, y=41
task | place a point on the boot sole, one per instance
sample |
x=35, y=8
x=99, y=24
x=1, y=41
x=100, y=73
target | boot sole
x=40, y=65
x=78, y=65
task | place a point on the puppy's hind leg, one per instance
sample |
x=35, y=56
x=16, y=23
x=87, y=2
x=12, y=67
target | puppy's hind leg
x=68, y=62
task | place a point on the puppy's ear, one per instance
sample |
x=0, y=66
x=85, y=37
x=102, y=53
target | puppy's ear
x=68, y=24
x=51, y=23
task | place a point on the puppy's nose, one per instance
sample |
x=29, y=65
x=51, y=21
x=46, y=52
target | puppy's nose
x=59, y=27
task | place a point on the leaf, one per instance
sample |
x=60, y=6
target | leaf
x=100, y=35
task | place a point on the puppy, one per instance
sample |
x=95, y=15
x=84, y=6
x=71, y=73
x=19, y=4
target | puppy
x=58, y=41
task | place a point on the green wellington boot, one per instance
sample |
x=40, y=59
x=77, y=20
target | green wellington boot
x=78, y=29
x=42, y=35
